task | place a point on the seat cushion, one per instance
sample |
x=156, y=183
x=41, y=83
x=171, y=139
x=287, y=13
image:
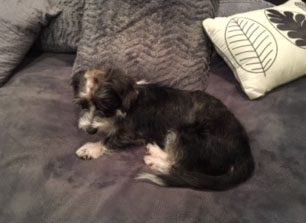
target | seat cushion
x=231, y=7
x=42, y=180
x=20, y=24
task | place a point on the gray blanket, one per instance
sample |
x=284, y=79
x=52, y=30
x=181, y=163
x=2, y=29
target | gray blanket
x=43, y=181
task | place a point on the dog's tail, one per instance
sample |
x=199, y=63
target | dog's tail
x=182, y=178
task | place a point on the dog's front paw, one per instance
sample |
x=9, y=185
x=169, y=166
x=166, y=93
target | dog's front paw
x=91, y=151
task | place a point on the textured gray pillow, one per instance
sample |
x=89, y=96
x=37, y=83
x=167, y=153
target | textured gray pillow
x=231, y=7
x=63, y=33
x=157, y=40
x=20, y=24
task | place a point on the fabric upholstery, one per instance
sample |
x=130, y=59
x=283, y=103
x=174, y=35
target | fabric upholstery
x=156, y=40
x=20, y=24
x=63, y=33
x=257, y=44
x=231, y=7
x=42, y=180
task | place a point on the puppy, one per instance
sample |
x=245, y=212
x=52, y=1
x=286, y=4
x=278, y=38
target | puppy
x=192, y=139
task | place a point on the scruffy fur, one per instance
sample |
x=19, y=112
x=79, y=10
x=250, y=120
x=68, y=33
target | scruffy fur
x=192, y=139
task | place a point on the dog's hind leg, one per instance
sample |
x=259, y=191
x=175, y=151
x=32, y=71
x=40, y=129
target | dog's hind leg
x=157, y=159
x=155, y=151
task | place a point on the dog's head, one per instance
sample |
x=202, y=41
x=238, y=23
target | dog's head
x=102, y=95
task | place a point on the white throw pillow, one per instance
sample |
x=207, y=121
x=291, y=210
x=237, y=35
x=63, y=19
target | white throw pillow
x=264, y=48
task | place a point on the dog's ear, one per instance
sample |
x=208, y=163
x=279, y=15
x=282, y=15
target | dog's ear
x=124, y=86
x=129, y=99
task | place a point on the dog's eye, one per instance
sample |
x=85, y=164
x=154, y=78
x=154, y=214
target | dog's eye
x=99, y=113
x=84, y=104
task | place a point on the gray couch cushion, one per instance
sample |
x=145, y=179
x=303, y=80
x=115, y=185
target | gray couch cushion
x=161, y=41
x=63, y=33
x=231, y=7
x=20, y=24
x=43, y=181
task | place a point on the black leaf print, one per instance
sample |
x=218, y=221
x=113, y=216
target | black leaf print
x=292, y=24
x=252, y=45
x=301, y=5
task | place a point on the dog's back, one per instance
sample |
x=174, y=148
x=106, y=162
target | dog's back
x=206, y=145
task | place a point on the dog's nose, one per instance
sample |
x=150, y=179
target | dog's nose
x=91, y=130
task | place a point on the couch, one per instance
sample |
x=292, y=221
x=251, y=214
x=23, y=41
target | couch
x=43, y=181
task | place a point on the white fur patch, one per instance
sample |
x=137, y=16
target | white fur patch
x=157, y=159
x=87, y=118
x=142, y=82
x=90, y=85
x=83, y=95
x=155, y=151
x=105, y=125
x=152, y=178
x=91, y=150
x=157, y=164
x=89, y=88
x=120, y=114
